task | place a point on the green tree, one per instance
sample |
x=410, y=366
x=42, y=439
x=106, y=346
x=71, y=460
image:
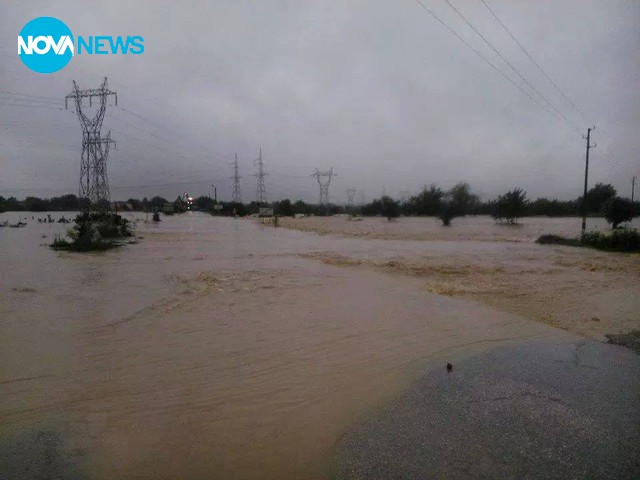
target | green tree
x=389, y=207
x=302, y=207
x=427, y=202
x=35, y=204
x=446, y=213
x=618, y=210
x=510, y=206
x=598, y=195
x=157, y=202
x=136, y=204
x=284, y=208
x=461, y=199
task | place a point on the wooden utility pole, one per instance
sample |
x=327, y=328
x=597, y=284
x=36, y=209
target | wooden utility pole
x=586, y=177
x=633, y=187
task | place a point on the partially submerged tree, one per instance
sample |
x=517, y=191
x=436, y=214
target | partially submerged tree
x=446, y=213
x=462, y=200
x=284, y=208
x=94, y=231
x=510, y=206
x=597, y=196
x=618, y=210
x=458, y=202
x=427, y=202
x=390, y=208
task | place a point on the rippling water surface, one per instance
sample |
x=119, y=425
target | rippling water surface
x=213, y=348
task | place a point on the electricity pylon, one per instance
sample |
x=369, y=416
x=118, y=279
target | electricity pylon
x=351, y=193
x=237, y=194
x=324, y=180
x=261, y=191
x=94, y=183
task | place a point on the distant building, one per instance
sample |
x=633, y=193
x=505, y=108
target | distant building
x=265, y=212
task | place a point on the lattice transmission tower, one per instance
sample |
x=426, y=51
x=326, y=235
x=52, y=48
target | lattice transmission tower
x=94, y=183
x=237, y=194
x=261, y=191
x=324, y=180
x=351, y=194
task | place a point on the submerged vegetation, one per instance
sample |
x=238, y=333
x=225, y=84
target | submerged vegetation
x=620, y=240
x=94, y=231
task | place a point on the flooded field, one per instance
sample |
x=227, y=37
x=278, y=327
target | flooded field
x=219, y=348
x=470, y=228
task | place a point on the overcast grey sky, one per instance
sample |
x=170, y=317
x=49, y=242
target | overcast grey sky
x=376, y=89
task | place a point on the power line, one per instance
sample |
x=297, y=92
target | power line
x=32, y=105
x=487, y=61
x=38, y=97
x=160, y=127
x=534, y=61
x=484, y=39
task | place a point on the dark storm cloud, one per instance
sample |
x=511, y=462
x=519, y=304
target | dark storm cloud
x=376, y=89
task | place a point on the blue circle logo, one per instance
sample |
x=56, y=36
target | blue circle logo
x=45, y=45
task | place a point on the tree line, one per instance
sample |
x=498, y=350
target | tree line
x=432, y=200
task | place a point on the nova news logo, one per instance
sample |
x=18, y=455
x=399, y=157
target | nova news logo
x=46, y=45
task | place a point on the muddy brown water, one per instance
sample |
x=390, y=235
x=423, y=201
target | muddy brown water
x=217, y=348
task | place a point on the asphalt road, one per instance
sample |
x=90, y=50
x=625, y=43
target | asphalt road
x=540, y=410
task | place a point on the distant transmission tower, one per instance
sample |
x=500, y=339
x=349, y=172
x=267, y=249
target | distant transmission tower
x=324, y=180
x=261, y=191
x=94, y=183
x=237, y=194
x=351, y=193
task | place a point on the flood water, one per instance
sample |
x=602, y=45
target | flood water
x=217, y=348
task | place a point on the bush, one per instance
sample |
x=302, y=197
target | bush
x=557, y=240
x=90, y=231
x=625, y=240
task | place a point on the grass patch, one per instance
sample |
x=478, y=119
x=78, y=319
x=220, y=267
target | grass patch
x=621, y=240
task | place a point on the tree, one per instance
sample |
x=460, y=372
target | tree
x=461, y=199
x=457, y=202
x=372, y=209
x=510, y=206
x=35, y=204
x=284, y=208
x=157, y=202
x=446, y=213
x=427, y=202
x=204, y=203
x=135, y=204
x=302, y=207
x=617, y=210
x=598, y=195
x=389, y=207
x=179, y=206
